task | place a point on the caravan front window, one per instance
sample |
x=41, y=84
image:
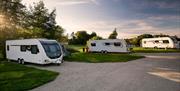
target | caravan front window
x=166, y=41
x=93, y=44
x=117, y=43
x=52, y=49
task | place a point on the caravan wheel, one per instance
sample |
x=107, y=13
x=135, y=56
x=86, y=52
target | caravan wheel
x=19, y=60
x=105, y=51
x=22, y=61
x=102, y=51
x=155, y=47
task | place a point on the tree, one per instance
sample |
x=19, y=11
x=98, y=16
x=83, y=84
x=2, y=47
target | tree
x=161, y=35
x=113, y=35
x=17, y=21
x=50, y=26
x=96, y=38
x=14, y=11
x=82, y=37
x=37, y=15
x=137, y=40
x=93, y=34
x=11, y=18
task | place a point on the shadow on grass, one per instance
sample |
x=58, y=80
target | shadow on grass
x=16, y=77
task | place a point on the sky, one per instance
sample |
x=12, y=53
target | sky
x=130, y=17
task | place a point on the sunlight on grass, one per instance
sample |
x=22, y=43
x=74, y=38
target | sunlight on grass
x=100, y=58
x=153, y=50
x=16, y=77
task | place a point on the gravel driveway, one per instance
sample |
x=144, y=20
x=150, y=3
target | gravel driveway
x=156, y=72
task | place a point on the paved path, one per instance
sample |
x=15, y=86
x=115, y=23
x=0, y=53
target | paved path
x=156, y=72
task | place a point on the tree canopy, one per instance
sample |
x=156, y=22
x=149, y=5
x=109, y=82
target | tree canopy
x=81, y=37
x=18, y=21
x=113, y=35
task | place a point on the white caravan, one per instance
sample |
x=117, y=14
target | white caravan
x=160, y=42
x=40, y=51
x=108, y=45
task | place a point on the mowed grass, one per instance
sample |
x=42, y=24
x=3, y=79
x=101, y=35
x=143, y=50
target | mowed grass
x=16, y=77
x=101, y=58
x=153, y=50
x=78, y=48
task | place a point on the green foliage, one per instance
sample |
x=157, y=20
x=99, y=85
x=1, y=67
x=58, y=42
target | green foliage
x=96, y=38
x=17, y=21
x=14, y=11
x=71, y=50
x=93, y=34
x=76, y=48
x=137, y=40
x=81, y=37
x=20, y=22
x=37, y=15
x=160, y=35
x=113, y=35
x=152, y=50
x=101, y=58
x=29, y=33
x=16, y=77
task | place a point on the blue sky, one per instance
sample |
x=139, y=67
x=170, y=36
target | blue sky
x=130, y=17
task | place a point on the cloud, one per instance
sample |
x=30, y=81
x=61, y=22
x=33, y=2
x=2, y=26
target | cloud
x=76, y=2
x=154, y=7
x=142, y=16
x=125, y=29
x=64, y=2
x=73, y=2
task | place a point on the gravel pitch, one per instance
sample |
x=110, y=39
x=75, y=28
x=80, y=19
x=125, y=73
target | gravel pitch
x=126, y=76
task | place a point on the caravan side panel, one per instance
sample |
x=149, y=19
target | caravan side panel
x=107, y=45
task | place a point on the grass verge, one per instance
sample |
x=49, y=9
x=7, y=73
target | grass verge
x=16, y=77
x=75, y=48
x=152, y=50
x=101, y=58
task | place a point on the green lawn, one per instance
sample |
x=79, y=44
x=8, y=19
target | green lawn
x=152, y=50
x=100, y=58
x=16, y=77
x=78, y=48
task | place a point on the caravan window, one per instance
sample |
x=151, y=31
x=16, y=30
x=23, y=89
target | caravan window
x=23, y=48
x=156, y=41
x=7, y=47
x=117, y=44
x=93, y=44
x=166, y=41
x=28, y=47
x=107, y=44
x=144, y=42
x=34, y=49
